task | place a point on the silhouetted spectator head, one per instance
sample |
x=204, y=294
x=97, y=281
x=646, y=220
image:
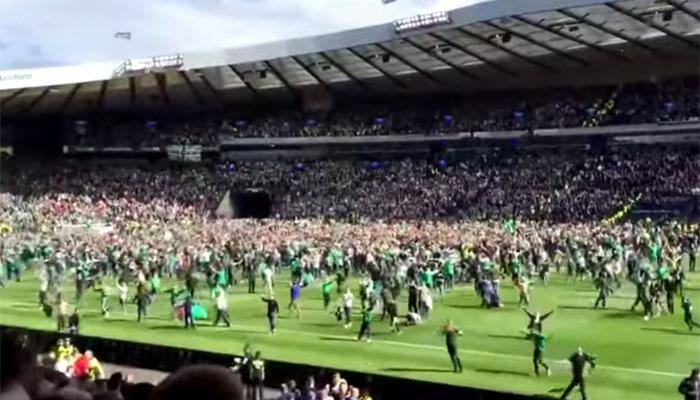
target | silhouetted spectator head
x=115, y=381
x=17, y=381
x=138, y=391
x=56, y=378
x=69, y=393
x=209, y=382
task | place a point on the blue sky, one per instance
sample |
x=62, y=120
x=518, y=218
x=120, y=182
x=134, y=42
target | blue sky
x=45, y=33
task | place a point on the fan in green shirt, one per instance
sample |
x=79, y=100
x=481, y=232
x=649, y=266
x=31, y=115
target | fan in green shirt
x=515, y=267
x=45, y=251
x=104, y=291
x=426, y=277
x=335, y=259
x=12, y=266
x=296, y=269
x=654, y=252
x=155, y=284
x=326, y=289
x=113, y=256
x=27, y=255
x=510, y=225
x=221, y=278
x=448, y=271
x=540, y=343
x=177, y=295
x=143, y=255
x=171, y=264
x=365, y=330
x=340, y=279
x=307, y=279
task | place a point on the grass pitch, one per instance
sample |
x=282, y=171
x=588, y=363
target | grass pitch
x=637, y=359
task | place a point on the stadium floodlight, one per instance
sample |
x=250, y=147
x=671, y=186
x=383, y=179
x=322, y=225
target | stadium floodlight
x=147, y=65
x=422, y=21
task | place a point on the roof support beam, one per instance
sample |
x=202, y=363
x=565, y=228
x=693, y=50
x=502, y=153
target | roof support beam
x=211, y=87
x=69, y=98
x=434, y=54
x=245, y=82
x=389, y=76
x=36, y=100
x=618, y=34
x=12, y=97
x=132, y=90
x=654, y=25
x=539, y=44
x=474, y=54
x=281, y=78
x=101, y=96
x=192, y=88
x=411, y=65
x=343, y=70
x=575, y=39
x=163, y=87
x=683, y=8
x=311, y=72
x=502, y=48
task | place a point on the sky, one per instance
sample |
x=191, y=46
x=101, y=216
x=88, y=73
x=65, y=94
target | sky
x=48, y=33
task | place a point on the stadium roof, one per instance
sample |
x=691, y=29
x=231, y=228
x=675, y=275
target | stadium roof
x=496, y=44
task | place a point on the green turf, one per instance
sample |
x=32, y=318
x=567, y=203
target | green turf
x=637, y=359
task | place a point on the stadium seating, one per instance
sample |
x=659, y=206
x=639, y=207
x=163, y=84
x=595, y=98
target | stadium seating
x=675, y=100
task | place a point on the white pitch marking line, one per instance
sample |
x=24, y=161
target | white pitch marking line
x=479, y=352
x=465, y=350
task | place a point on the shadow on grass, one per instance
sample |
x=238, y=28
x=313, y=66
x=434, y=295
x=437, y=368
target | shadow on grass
x=622, y=315
x=503, y=372
x=114, y=319
x=119, y=317
x=466, y=306
x=246, y=331
x=443, y=370
x=573, y=307
x=289, y=317
x=170, y=327
x=337, y=339
x=672, y=331
x=556, y=390
x=515, y=337
x=320, y=324
x=24, y=306
x=209, y=328
x=590, y=308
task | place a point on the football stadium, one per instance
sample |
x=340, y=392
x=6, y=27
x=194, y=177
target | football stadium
x=495, y=201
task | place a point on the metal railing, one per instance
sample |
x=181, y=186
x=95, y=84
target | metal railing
x=150, y=64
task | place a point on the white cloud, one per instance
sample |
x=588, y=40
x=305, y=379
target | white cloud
x=37, y=33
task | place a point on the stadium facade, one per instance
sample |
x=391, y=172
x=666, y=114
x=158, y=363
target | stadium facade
x=492, y=45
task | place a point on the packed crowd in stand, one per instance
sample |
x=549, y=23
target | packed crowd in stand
x=675, y=100
x=540, y=187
